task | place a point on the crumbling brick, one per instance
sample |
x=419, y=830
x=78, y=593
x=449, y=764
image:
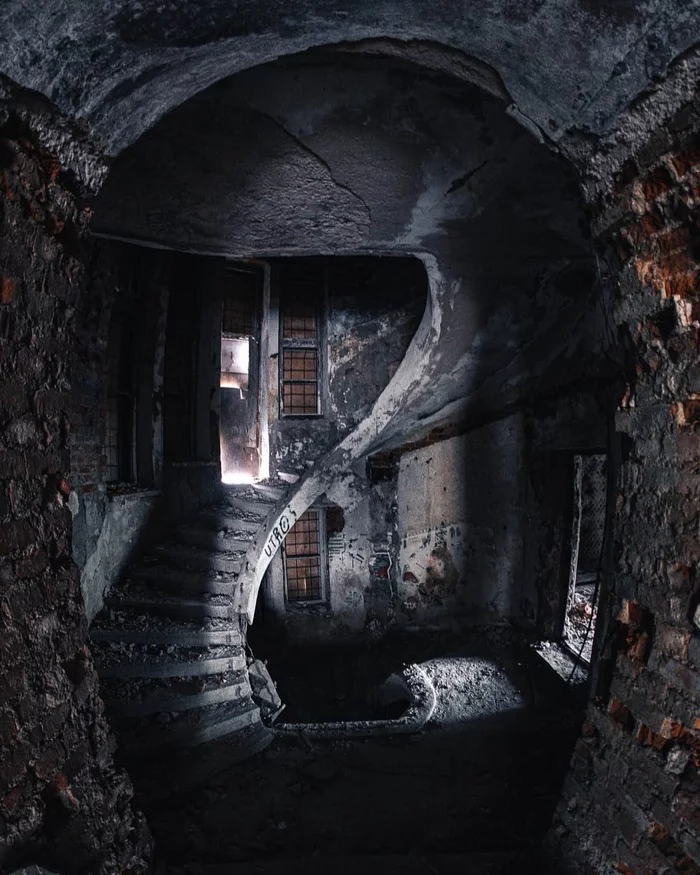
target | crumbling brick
x=620, y=713
x=7, y=289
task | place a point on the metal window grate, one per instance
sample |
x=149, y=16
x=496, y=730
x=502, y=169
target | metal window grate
x=299, y=323
x=302, y=559
x=300, y=360
x=240, y=298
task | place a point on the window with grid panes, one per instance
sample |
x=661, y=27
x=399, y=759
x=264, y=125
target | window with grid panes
x=238, y=316
x=300, y=354
x=304, y=558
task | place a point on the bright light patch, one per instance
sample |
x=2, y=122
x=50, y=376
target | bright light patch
x=237, y=477
x=469, y=688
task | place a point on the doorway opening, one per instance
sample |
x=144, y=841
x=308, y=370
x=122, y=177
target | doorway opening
x=240, y=386
x=587, y=536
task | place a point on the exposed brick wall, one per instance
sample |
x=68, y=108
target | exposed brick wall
x=632, y=800
x=61, y=801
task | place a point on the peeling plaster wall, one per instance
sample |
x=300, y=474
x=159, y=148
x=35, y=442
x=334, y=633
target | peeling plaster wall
x=460, y=509
x=371, y=311
x=440, y=544
x=359, y=602
x=116, y=525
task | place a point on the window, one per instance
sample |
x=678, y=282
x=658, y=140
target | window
x=304, y=558
x=300, y=360
x=120, y=404
x=238, y=317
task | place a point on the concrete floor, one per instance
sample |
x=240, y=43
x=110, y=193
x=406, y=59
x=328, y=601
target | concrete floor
x=474, y=791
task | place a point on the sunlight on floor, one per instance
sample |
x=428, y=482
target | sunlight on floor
x=468, y=688
x=232, y=478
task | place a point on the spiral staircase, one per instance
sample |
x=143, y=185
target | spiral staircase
x=170, y=645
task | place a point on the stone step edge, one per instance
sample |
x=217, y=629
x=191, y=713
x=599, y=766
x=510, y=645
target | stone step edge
x=192, y=536
x=198, y=668
x=172, y=702
x=184, y=606
x=166, y=576
x=220, y=520
x=190, y=735
x=178, y=639
x=207, y=559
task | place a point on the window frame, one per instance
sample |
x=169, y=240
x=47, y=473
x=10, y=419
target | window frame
x=322, y=560
x=565, y=637
x=294, y=344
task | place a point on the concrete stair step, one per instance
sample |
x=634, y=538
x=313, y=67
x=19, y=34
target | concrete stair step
x=187, y=728
x=208, y=539
x=142, y=603
x=177, y=639
x=268, y=492
x=165, y=578
x=226, y=519
x=194, y=557
x=171, y=668
x=140, y=698
x=250, y=505
x=126, y=627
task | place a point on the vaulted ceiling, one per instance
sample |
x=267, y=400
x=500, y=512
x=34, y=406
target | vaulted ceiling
x=120, y=65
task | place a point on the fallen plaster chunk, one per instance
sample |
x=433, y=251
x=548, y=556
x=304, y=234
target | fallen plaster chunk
x=288, y=478
x=265, y=693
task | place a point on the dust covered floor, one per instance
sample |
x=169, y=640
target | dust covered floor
x=481, y=779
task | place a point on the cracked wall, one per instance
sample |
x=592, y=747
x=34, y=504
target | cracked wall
x=445, y=173
x=369, y=310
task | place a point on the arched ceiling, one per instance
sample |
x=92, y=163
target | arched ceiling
x=120, y=65
x=328, y=152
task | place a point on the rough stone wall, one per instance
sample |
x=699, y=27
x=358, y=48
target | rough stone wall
x=632, y=797
x=61, y=800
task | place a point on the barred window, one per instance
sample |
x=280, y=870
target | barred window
x=300, y=353
x=239, y=305
x=304, y=558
